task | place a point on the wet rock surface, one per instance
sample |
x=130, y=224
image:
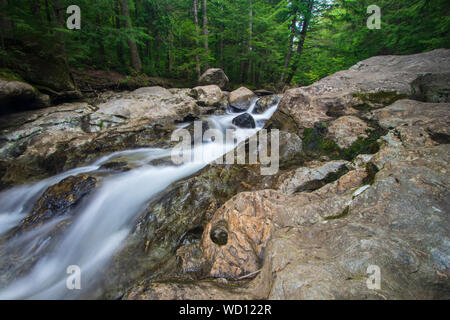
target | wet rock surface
x=241, y=98
x=36, y=144
x=244, y=121
x=266, y=102
x=59, y=199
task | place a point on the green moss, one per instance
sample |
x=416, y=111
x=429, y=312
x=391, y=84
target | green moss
x=344, y=214
x=362, y=146
x=363, y=107
x=381, y=97
x=7, y=74
x=357, y=277
x=372, y=171
x=316, y=144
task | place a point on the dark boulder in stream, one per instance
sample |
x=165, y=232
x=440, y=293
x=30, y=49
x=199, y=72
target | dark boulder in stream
x=59, y=200
x=244, y=121
x=266, y=102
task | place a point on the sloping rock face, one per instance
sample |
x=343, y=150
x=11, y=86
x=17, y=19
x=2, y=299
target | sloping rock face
x=319, y=230
x=36, y=144
x=375, y=82
x=214, y=77
x=416, y=122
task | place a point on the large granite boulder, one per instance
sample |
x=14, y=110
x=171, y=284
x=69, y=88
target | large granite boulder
x=214, y=76
x=241, y=98
x=17, y=96
x=209, y=96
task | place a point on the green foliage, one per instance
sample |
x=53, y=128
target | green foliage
x=251, y=48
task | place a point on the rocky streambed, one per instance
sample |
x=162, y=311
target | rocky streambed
x=363, y=182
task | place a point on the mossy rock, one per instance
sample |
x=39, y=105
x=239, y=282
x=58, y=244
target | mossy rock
x=377, y=99
x=46, y=70
x=9, y=75
x=316, y=144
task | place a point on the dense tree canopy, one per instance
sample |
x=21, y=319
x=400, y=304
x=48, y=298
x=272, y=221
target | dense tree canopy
x=256, y=42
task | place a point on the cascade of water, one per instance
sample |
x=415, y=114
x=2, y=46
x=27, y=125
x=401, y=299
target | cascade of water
x=103, y=222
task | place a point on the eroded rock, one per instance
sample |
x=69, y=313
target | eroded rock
x=313, y=177
x=346, y=130
x=417, y=123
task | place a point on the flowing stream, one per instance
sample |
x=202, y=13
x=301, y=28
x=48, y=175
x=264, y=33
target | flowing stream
x=102, y=222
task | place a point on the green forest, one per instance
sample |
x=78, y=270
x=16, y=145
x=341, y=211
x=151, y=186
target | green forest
x=256, y=42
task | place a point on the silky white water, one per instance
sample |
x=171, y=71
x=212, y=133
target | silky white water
x=103, y=221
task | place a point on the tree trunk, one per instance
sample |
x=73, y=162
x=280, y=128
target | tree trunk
x=287, y=61
x=101, y=47
x=222, y=63
x=117, y=26
x=3, y=28
x=197, y=59
x=136, y=63
x=59, y=17
x=157, y=54
x=37, y=10
x=250, y=39
x=169, y=53
x=205, y=32
x=301, y=40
